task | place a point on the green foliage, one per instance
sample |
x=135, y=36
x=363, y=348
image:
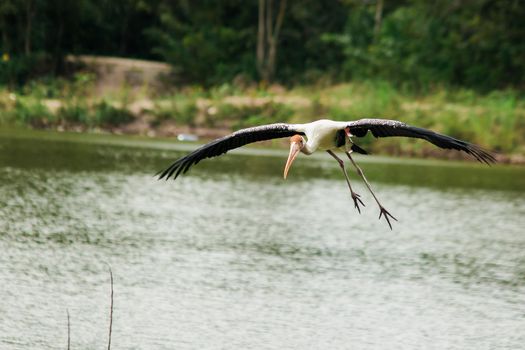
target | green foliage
x=30, y=111
x=46, y=87
x=364, y=100
x=221, y=91
x=498, y=123
x=421, y=44
x=105, y=114
x=191, y=108
x=78, y=112
x=19, y=69
x=242, y=116
x=202, y=41
x=417, y=45
x=74, y=112
x=180, y=108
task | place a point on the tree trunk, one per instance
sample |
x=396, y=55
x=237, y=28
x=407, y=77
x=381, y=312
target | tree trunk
x=260, y=37
x=378, y=18
x=268, y=37
x=30, y=12
x=272, y=51
x=265, y=74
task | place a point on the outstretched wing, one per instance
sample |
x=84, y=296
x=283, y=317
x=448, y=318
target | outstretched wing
x=386, y=128
x=227, y=143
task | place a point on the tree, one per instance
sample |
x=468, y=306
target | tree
x=7, y=9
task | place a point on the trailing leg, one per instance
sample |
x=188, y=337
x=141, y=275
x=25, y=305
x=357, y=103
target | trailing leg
x=355, y=196
x=383, y=211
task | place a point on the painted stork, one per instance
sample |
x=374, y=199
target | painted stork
x=329, y=136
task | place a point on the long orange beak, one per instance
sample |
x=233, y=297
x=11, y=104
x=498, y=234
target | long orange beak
x=294, y=151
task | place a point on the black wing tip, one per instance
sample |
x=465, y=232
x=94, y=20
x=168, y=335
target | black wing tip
x=164, y=174
x=480, y=154
x=174, y=170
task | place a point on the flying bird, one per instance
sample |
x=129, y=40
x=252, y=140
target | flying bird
x=329, y=136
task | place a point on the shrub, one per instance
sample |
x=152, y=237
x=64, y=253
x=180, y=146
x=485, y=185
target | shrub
x=245, y=116
x=106, y=114
x=75, y=112
x=31, y=112
x=180, y=108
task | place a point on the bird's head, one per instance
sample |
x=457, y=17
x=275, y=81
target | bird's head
x=296, y=145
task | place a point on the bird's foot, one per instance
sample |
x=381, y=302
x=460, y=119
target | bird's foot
x=357, y=201
x=386, y=214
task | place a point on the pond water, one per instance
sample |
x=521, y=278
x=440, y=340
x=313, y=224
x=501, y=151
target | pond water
x=234, y=257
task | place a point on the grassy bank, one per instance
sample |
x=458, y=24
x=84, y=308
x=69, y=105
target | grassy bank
x=495, y=121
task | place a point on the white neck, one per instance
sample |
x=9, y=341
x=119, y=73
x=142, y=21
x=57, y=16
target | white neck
x=309, y=147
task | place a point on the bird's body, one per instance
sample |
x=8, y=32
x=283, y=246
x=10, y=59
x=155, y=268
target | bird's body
x=322, y=135
x=326, y=135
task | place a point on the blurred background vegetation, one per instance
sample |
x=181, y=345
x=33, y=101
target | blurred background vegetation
x=456, y=66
